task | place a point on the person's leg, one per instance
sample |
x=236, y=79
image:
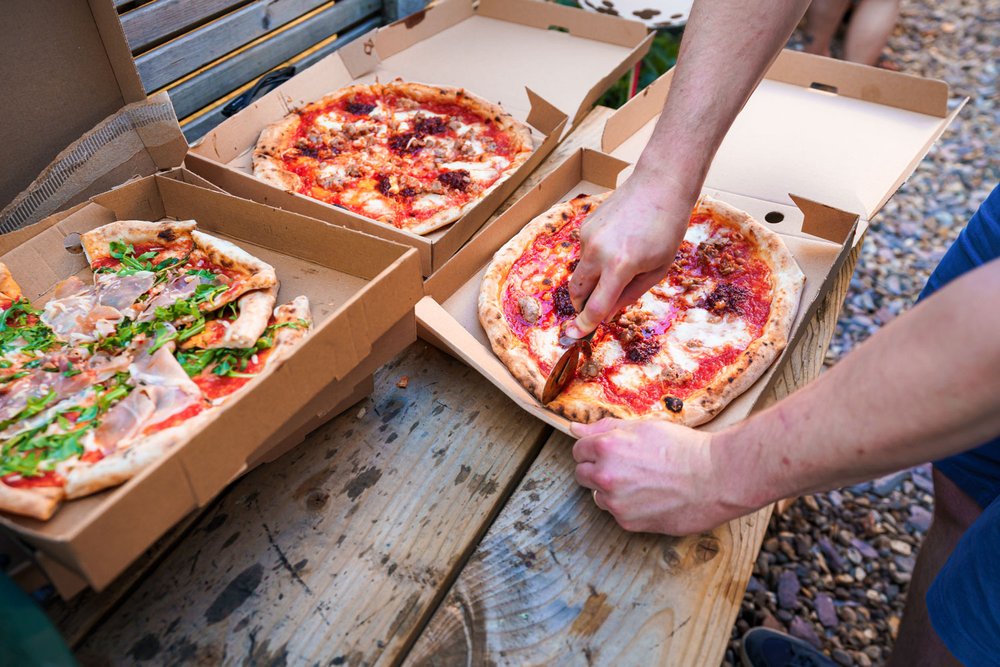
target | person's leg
x=822, y=20
x=917, y=643
x=869, y=30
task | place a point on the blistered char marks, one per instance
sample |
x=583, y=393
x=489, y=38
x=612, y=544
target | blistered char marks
x=235, y=594
x=362, y=481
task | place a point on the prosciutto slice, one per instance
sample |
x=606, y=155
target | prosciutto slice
x=121, y=292
x=163, y=389
x=76, y=316
x=180, y=288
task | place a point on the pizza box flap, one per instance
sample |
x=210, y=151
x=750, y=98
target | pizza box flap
x=837, y=132
x=75, y=111
x=494, y=50
x=448, y=315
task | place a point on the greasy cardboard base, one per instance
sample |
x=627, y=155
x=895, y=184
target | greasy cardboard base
x=360, y=288
x=451, y=44
x=448, y=316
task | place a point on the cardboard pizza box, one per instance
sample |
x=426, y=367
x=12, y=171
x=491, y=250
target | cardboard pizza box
x=818, y=236
x=79, y=124
x=493, y=50
x=344, y=274
x=833, y=131
x=817, y=151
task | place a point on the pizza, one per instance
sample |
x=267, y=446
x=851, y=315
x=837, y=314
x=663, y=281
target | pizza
x=107, y=376
x=407, y=154
x=682, y=352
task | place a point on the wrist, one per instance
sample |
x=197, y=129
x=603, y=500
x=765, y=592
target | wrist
x=743, y=480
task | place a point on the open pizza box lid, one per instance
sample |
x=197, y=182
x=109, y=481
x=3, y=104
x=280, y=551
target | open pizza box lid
x=835, y=132
x=361, y=291
x=818, y=236
x=493, y=50
x=76, y=118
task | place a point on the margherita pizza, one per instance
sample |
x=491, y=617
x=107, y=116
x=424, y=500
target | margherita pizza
x=407, y=154
x=106, y=377
x=683, y=351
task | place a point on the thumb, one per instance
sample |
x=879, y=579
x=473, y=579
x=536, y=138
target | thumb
x=585, y=430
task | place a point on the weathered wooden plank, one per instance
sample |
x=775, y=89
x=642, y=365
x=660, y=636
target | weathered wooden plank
x=196, y=127
x=156, y=22
x=556, y=581
x=249, y=63
x=188, y=52
x=342, y=548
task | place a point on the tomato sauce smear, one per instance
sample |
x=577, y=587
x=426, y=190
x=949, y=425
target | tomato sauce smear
x=49, y=478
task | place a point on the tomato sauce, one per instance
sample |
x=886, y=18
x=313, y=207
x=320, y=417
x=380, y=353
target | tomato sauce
x=174, y=420
x=217, y=386
x=48, y=478
x=92, y=456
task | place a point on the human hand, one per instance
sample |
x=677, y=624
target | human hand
x=657, y=477
x=627, y=246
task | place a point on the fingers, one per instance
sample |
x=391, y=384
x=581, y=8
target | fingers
x=598, y=427
x=602, y=300
x=639, y=286
x=584, y=278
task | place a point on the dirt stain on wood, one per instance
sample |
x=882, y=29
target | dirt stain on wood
x=463, y=474
x=363, y=480
x=595, y=611
x=235, y=594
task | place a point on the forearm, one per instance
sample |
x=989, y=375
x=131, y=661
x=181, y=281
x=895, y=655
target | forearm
x=925, y=386
x=726, y=50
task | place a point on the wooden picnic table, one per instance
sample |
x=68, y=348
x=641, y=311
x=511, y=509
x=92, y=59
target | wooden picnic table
x=437, y=524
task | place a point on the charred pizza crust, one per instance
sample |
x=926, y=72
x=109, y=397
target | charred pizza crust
x=586, y=402
x=276, y=139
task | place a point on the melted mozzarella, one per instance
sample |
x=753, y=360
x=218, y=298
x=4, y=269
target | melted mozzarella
x=657, y=308
x=609, y=353
x=376, y=206
x=545, y=343
x=429, y=202
x=329, y=122
x=483, y=172
x=710, y=330
x=697, y=233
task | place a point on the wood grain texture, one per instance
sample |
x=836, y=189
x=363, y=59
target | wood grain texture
x=556, y=581
x=238, y=68
x=157, y=21
x=342, y=548
x=186, y=53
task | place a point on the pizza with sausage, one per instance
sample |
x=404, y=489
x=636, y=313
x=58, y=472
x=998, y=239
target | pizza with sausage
x=407, y=154
x=683, y=351
x=105, y=377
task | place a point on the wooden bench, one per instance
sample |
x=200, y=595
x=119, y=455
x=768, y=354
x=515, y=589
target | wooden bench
x=205, y=53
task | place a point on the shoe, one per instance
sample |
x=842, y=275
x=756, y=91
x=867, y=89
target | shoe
x=763, y=647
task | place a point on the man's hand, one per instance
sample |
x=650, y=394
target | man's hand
x=654, y=476
x=628, y=245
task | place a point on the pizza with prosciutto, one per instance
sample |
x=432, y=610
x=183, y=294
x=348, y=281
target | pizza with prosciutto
x=106, y=377
x=683, y=351
x=408, y=154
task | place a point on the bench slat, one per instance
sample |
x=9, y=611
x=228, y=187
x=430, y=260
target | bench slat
x=221, y=79
x=152, y=23
x=197, y=127
x=188, y=52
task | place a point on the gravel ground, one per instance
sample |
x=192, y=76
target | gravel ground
x=835, y=567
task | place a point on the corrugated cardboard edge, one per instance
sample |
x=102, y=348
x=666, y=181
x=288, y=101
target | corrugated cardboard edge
x=83, y=168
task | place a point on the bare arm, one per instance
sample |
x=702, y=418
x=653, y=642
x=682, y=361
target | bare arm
x=924, y=387
x=630, y=242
